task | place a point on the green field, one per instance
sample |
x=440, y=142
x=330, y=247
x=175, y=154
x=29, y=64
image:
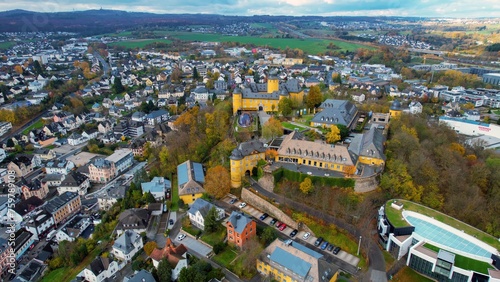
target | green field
x=396, y=218
x=290, y=126
x=311, y=46
x=6, y=45
x=37, y=125
x=139, y=43
x=409, y=275
x=214, y=237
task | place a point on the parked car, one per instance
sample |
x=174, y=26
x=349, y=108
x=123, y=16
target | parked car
x=306, y=236
x=294, y=232
x=264, y=216
x=233, y=200
x=336, y=250
x=318, y=241
x=273, y=221
x=171, y=221
x=278, y=224
x=242, y=205
x=282, y=227
x=324, y=245
x=330, y=247
x=181, y=236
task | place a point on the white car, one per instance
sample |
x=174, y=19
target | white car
x=242, y=205
x=306, y=236
x=181, y=236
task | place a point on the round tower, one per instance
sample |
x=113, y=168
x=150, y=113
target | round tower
x=236, y=173
x=395, y=109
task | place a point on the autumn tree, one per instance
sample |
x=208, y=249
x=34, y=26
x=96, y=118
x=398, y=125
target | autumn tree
x=314, y=98
x=306, y=186
x=333, y=135
x=18, y=69
x=149, y=247
x=349, y=170
x=272, y=128
x=271, y=154
x=217, y=181
x=285, y=107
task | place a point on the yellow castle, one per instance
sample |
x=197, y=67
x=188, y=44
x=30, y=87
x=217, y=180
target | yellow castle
x=265, y=97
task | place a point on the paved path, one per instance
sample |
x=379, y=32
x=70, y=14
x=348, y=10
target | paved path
x=375, y=256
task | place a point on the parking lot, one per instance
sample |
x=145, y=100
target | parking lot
x=349, y=258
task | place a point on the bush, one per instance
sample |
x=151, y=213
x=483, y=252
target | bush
x=219, y=247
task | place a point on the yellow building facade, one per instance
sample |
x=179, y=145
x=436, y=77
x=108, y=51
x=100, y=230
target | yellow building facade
x=265, y=97
x=188, y=199
x=395, y=110
x=244, y=159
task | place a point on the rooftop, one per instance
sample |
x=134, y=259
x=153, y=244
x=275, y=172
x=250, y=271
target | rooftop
x=462, y=261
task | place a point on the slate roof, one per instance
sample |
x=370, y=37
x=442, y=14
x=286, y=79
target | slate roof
x=74, y=179
x=200, y=205
x=239, y=221
x=142, y=276
x=98, y=265
x=336, y=112
x=126, y=242
x=246, y=148
x=25, y=206
x=56, y=203
x=133, y=219
x=369, y=144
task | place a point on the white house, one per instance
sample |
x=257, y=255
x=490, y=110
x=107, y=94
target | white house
x=76, y=139
x=157, y=117
x=59, y=167
x=158, y=187
x=415, y=107
x=127, y=245
x=2, y=155
x=99, y=269
x=199, y=210
x=201, y=93
x=75, y=182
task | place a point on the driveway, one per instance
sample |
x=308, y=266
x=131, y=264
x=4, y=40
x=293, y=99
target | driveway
x=194, y=245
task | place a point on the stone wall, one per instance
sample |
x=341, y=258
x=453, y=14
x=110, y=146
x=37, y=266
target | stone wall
x=267, y=182
x=366, y=184
x=263, y=205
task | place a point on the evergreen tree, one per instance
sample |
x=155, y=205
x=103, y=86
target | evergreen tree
x=117, y=86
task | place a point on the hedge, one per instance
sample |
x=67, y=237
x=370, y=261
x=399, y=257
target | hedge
x=316, y=180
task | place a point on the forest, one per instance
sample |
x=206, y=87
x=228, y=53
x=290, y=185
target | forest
x=429, y=163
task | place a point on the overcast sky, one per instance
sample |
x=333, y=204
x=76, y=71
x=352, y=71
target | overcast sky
x=426, y=8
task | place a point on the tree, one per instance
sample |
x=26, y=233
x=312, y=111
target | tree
x=211, y=224
x=18, y=69
x=149, y=247
x=148, y=197
x=285, y=107
x=344, y=131
x=217, y=181
x=306, y=186
x=195, y=73
x=349, y=170
x=272, y=128
x=268, y=235
x=190, y=274
x=38, y=68
x=271, y=154
x=314, y=98
x=336, y=77
x=334, y=134
x=164, y=271
x=117, y=86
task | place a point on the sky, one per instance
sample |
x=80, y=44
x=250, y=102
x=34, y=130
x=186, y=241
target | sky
x=419, y=8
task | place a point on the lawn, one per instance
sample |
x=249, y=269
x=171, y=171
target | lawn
x=226, y=257
x=311, y=46
x=6, y=45
x=465, y=262
x=393, y=214
x=139, y=43
x=36, y=125
x=389, y=260
x=290, y=126
x=189, y=228
x=174, y=206
x=67, y=273
x=215, y=237
x=497, y=112
x=409, y=275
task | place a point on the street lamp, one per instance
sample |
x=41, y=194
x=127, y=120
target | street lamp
x=359, y=244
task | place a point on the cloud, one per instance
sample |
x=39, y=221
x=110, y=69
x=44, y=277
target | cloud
x=425, y=8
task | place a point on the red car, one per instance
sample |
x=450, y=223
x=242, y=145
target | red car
x=278, y=224
x=282, y=227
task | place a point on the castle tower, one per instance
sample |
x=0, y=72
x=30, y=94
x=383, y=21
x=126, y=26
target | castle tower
x=272, y=84
x=395, y=109
x=237, y=100
x=236, y=173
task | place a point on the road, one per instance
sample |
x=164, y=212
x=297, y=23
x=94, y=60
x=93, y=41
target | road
x=19, y=130
x=131, y=171
x=375, y=256
x=105, y=66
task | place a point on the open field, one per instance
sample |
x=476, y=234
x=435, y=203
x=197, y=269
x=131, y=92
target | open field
x=139, y=43
x=311, y=46
x=395, y=217
x=37, y=125
x=6, y=45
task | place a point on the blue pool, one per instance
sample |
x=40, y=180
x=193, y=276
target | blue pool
x=446, y=238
